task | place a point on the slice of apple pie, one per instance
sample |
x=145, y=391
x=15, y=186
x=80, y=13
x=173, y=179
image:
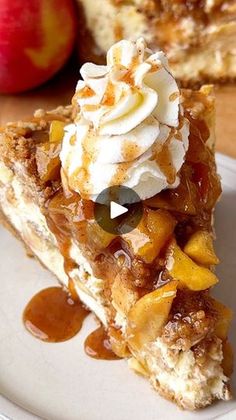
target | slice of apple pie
x=129, y=124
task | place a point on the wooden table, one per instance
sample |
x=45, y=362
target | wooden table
x=60, y=91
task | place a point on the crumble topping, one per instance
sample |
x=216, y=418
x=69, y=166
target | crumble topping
x=192, y=318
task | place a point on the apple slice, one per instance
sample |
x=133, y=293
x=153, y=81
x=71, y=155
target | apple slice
x=151, y=235
x=200, y=248
x=124, y=293
x=56, y=132
x=48, y=161
x=189, y=274
x=147, y=317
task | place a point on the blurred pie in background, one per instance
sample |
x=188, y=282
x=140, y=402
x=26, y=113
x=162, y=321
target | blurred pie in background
x=197, y=35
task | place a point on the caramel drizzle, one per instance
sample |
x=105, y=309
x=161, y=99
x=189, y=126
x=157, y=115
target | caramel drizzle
x=85, y=93
x=120, y=175
x=109, y=95
x=97, y=345
x=130, y=150
x=80, y=179
x=163, y=158
x=165, y=163
x=128, y=77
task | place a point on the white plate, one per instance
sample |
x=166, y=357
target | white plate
x=58, y=381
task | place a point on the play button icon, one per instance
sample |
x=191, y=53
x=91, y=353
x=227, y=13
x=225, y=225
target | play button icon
x=118, y=210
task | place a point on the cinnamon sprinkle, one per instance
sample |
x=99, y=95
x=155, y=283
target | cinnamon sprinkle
x=163, y=158
x=130, y=150
x=120, y=175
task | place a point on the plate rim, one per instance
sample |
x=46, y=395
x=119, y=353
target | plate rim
x=226, y=161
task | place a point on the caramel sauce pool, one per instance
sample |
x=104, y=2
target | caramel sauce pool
x=52, y=316
x=97, y=345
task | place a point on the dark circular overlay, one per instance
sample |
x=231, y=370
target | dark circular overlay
x=123, y=196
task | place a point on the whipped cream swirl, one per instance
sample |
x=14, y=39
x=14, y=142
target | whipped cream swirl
x=129, y=129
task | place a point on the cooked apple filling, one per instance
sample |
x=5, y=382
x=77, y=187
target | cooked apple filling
x=155, y=280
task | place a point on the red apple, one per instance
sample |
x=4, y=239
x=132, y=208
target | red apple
x=36, y=39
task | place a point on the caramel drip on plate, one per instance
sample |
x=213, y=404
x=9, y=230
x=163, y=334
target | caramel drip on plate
x=52, y=315
x=55, y=315
x=97, y=345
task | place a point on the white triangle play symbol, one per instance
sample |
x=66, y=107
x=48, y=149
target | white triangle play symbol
x=116, y=210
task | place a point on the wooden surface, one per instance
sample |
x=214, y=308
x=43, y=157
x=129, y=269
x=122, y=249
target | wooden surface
x=60, y=90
